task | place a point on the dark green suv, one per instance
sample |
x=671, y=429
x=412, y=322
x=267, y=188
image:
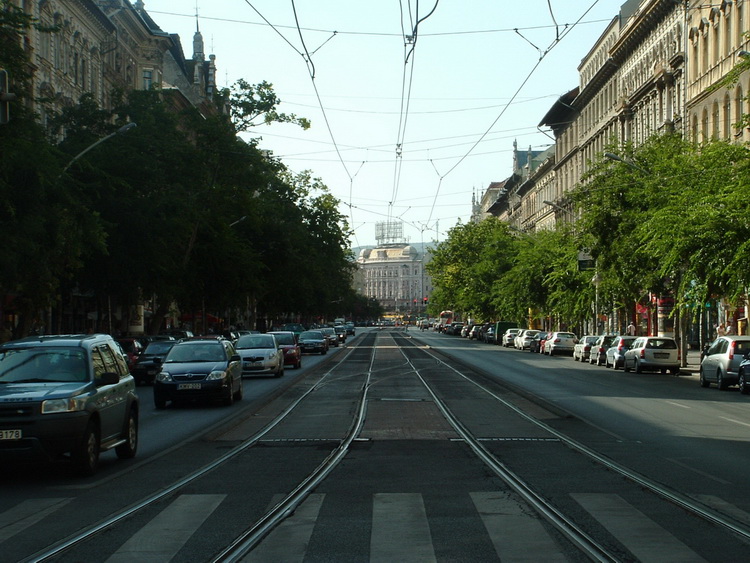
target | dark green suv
x=66, y=396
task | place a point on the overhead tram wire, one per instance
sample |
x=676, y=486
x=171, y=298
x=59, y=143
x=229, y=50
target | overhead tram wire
x=406, y=93
x=558, y=37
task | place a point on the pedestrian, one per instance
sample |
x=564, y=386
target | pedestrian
x=730, y=329
x=631, y=330
x=720, y=331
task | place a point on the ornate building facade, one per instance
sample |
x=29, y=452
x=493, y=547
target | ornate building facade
x=394, y=274
x=100, y=46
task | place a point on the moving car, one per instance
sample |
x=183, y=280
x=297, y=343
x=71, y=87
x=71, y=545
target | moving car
x=313, y=342
x=288, y=344
x=199, y=368
x=330, y=334
x=147, y=366
x=652, y=353
x=560, y=342
x=66, y=395
x=721, y=362
x=616, y=351
x=261, y=355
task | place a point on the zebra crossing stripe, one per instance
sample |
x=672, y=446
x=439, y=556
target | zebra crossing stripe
x=400, y=531
x=646, y=539
x=288, y=542
x=26, y=514
x=515, y=529
x=164, y=536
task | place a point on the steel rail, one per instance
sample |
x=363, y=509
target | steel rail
x=562, y=523
x=80, y=537
x=665, y=492
x=248, y=540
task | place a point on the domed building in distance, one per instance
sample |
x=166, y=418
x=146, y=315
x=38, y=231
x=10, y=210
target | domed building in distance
x=393, y=273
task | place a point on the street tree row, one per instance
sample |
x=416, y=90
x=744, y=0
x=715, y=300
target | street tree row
x=670, y=218
x=179, y=211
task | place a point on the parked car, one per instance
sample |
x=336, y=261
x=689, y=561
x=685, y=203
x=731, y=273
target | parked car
x=331, y=336
x=70, y=394
x=261, y=355
x=721, y=361
x=454, y=329
x=535, y=346
x=523, y=339
x=474, y=332
x=465, y=331
x=288, y=344
x=199, y=368
x=149, y=362
x=488, y=334
x=313, y=342
x=598, y=353
x=743, y=375
x=616, y=351
x=509, y=335
x=582, y=348
x=652, y=353
x=560, y=343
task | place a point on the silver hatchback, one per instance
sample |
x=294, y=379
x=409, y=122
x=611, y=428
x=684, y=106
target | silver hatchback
x=721, y=362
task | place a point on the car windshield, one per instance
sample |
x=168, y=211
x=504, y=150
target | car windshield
x=311, y=335
x=159, y=347
x=24, y=365
x=285, y=338
x=196, y=353
x=256, y=341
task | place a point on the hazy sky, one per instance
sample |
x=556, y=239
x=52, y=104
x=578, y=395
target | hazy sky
x=401, y=129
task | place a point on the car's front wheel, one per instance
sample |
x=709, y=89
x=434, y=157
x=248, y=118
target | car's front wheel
x=239, y=393
x=86, y=454
x=128, y=449
x=703, y=381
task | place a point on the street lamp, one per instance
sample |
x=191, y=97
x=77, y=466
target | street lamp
x=558, y=207
x=120, y=131
x=613, y=156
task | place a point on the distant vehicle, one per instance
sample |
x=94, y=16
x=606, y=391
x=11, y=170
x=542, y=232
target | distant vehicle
x=330, y=334
x=68, y=394
x=652, y=353
x=560, y=342
x=288, y=344
x=509, y=336
x=446, y=319
x=582, y=348
x=598, y=353
x=313, y=342
x=523, y=339
x=616, y=351
x=535, y=346
x=147, y=366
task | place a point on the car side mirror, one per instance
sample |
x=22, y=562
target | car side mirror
x=158, y=361
x=235, y=358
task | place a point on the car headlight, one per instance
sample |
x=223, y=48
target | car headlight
x=68, y=404
x=216, y=374
x=164, y=376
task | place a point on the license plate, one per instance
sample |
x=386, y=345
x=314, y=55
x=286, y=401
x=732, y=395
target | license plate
x=661, y=355
x=14, y=434
x=249, y=365
x=186, y=386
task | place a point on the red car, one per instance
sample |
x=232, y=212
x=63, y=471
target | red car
x=132, y=348
x=288, y=343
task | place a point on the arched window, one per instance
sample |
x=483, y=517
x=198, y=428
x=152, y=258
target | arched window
x=704, y=126
x=727, y=117
x=715, y=121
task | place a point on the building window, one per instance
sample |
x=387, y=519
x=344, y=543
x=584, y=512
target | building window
x=148, y=77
